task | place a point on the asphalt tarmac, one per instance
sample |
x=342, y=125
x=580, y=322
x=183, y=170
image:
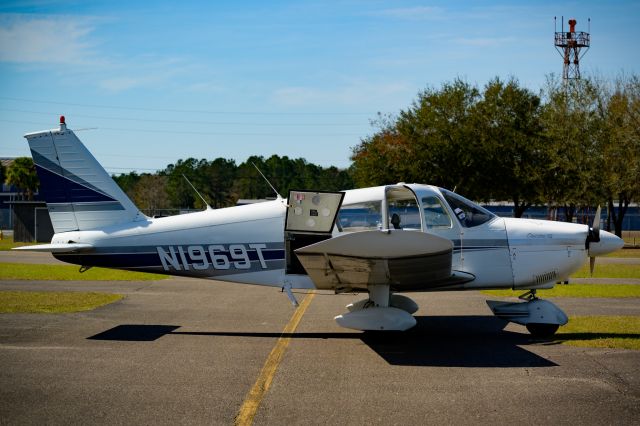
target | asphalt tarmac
x=186, y=351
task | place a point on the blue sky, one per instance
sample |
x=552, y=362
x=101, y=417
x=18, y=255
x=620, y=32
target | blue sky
x=152, y=82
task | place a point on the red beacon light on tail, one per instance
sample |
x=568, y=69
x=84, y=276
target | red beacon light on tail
x=63, y=124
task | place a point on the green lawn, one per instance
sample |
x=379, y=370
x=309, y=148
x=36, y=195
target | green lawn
x=19, y=271
x=609, y=270
x=53, y=302
x=577, y=290
x=7, y=244
x=625, y=253
x=601, y=332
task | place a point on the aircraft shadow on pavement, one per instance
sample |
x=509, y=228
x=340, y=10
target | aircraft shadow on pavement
x=135, y=332
x=457, y=341
x=437, y=341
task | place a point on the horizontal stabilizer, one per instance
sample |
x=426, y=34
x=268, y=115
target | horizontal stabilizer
x=57, y=248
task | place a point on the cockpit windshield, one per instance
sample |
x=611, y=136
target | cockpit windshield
x=468, y=213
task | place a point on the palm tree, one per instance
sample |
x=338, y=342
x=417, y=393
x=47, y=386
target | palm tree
x=22, y=174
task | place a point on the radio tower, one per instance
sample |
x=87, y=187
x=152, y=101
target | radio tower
x=569, y=45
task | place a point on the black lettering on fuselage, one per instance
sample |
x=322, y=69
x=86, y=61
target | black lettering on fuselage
x=217, y=256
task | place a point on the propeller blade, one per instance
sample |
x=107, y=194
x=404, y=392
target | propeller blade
x=596, y=222
x=593, y=235
x=592, y=264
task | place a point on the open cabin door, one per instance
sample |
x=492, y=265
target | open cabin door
x=311, y=216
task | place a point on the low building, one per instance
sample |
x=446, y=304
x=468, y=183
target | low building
x=31, y=221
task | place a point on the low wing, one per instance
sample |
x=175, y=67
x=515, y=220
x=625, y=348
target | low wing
x=57, y=248
x=405, y=260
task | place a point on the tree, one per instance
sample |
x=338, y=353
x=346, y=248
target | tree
x=571, y=130
x=508, y=156
x=248, y=182
x=149, y=193
x=439, y=137
x=619, y=146
x=127, y=182
x=382, y=157
x=22, y=174
x=334, y=179
x=220, y=175
x=432, y=141
x=180, y=192
x=485, y=145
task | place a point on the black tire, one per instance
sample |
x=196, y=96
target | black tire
x=542, y=331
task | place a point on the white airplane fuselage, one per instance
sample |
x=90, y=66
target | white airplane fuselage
x=246, y=244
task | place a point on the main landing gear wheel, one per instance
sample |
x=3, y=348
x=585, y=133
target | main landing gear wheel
x=542, y=331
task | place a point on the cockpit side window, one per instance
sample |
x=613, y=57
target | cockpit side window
x=435, y=215
x=468, y=213
x=360, y=217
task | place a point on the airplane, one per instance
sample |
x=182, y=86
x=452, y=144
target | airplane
x=381, y=241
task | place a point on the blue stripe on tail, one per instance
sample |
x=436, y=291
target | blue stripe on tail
x=59, y=189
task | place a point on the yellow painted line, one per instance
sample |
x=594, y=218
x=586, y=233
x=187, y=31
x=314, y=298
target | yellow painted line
x=261, y=386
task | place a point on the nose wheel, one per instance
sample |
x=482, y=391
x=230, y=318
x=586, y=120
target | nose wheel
x=541, y=317
x=538, y=330
x=542, y=331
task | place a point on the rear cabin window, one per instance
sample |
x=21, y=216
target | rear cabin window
x=360, y=217
x=404, y=214
x=435, y=214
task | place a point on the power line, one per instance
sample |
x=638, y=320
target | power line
x=228, y=123
x=191, y=132
x=184, y=110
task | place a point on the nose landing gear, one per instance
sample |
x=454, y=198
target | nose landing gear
x=541, y=317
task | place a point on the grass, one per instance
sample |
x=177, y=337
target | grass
x=7, y=244
x=577, y=290
x=53, y=302
x=19, y=271
x=609, y=270
x=601, y=332
x=625, y=253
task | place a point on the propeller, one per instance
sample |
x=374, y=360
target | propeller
x=594, y=237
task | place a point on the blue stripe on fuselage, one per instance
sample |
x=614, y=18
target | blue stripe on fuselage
x=116, y=258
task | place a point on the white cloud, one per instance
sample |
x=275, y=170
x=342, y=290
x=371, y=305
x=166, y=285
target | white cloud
x=53, y=39
x=150, y=71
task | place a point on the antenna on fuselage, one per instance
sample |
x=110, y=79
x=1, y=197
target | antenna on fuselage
x=199, y=195
x=278, y=196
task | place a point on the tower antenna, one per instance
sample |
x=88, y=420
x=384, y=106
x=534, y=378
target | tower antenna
x=569, y=45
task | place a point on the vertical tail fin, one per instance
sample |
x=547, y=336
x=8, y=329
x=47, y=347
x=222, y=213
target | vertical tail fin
x=80, y=194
